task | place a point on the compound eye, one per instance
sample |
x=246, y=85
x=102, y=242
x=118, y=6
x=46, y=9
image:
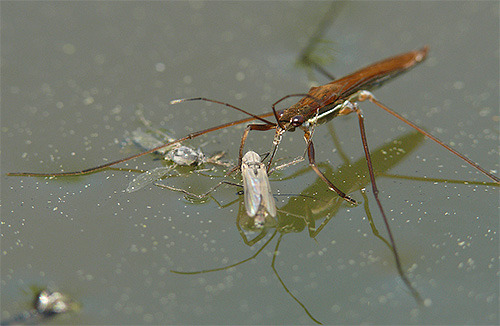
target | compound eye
x=280, y=113
x=297, y=121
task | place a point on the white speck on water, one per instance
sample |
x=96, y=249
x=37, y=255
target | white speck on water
x=160, y=67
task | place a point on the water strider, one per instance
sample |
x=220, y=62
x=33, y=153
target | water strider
x=321, y=104
x=337, y=98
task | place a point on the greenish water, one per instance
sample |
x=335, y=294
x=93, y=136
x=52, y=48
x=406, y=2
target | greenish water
x=73, y=75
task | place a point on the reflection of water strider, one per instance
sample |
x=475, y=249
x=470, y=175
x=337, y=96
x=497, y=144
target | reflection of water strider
x=304, y=211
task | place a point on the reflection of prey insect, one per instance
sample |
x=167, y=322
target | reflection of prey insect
x=46, y=305
x=177, y=154
x=259, y=200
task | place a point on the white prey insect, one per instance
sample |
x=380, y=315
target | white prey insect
x=259, y=200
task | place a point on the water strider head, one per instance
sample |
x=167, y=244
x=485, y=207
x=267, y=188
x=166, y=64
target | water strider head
x=293, y=117
x=319, y=105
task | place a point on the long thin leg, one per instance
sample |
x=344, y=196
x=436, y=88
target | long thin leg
x=202, y=196
x=256, y=117
x=253, y=126
x=312, y=164
x=285, y=165
x=365, y=95
x=273, y=266
x=436, y=180
x=399, y=267
x=232, y=265
x=276, y=142
x=107, y=165
x=305, y=55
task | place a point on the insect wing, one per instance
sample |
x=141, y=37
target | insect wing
x=256, y=185
x=251, y=188
x=148, y=141
x=265, y=191
x=147, y=177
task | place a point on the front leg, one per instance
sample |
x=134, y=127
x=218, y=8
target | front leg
x=260, y=127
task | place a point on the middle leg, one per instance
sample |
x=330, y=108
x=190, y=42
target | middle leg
x=312, y=164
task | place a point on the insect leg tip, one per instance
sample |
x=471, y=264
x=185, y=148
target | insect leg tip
x=177, y=101
x=351, y=201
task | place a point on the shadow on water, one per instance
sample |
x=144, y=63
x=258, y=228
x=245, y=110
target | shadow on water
x=317, y=204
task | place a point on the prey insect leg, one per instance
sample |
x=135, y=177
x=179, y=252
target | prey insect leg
x=202, y=196
x=273, y=266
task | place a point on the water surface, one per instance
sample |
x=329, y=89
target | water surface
x=73, y=74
